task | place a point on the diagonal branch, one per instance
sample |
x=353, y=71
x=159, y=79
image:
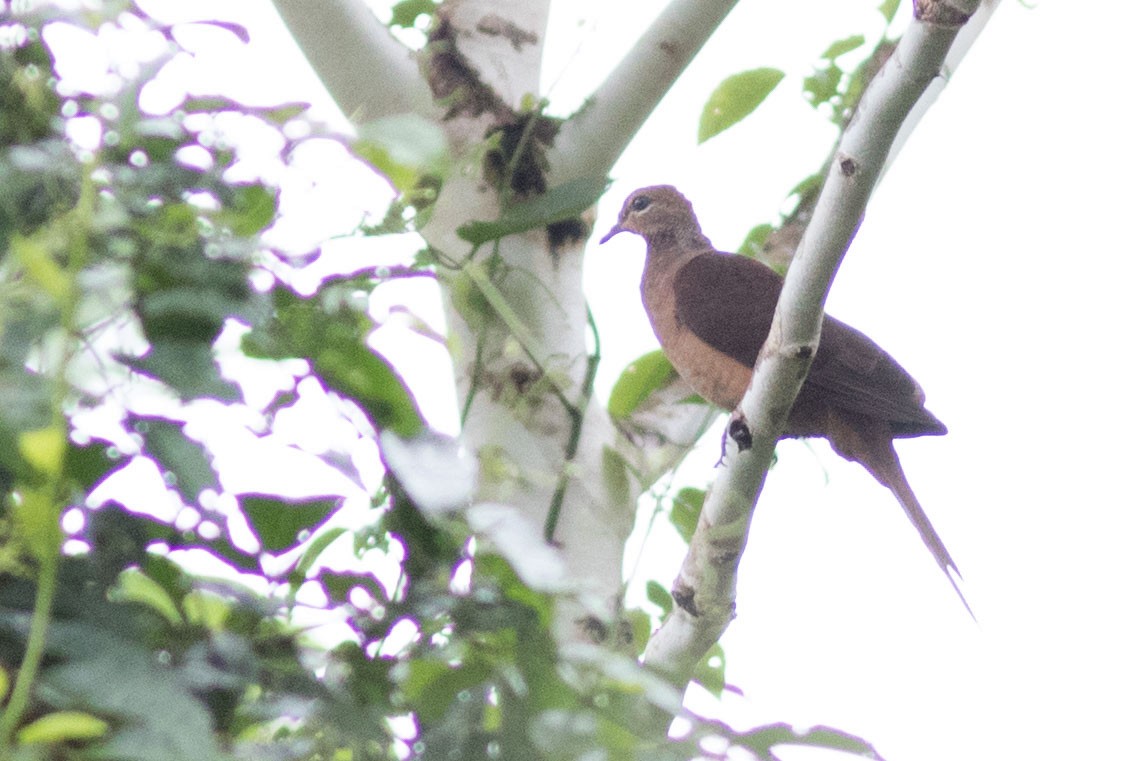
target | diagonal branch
x=368, y=73
x=965, y=39
x=704, y=591
x=591, y=141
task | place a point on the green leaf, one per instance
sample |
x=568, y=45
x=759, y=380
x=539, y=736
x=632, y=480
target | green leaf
x=89, y=464
x=334, y=342
x=41, y=267
x=208, y=104
x=44, y=448
x=37, y=519
x=640, y=379
x=279, y=522
x=468, y=299
x=62, y=726
x=658, y=596
x=279, y=113
x=186, y=295
x=432, y=686
x=617, y=480
x=640, y=622
x=187, y=366
x=825, y=85
x=184, y=459
x=310, y=554
x=710, y=672
x=282, y=112
x=337, y=585
x=685, y=509
x=185, y=313
x=735, y=98
x=560, y=203
x=136, y=586
x=839, y=48
x=406, y=12
x=822, y=85
x=207, y=610
x=756, y=238
x=764, y=739
x=404, y=148
x=250, y=210
x=889, y=9
x=812, y=184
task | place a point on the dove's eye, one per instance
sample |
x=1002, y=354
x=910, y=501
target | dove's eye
x=639, y=203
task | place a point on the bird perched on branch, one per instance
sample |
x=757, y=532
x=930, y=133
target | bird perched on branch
x=712, y=312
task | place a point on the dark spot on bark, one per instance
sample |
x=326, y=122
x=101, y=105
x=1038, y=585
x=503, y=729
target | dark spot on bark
x=625, y=635
x=561, y=234
x=726, y=558
x=498, y=26
x=531, y=165
x=848, y=166
x=454, y=83
x=739, y=432
x=523, y=376
x=938, y=12
x=669, y=48
x=684, y=597
x=594, y=629
x=804, y=352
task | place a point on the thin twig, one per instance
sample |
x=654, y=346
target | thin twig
x=573, y=445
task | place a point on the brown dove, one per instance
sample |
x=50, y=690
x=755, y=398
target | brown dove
x=712, y=312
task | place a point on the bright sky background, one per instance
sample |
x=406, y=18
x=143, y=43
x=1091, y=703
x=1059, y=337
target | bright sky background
x=1000, y=263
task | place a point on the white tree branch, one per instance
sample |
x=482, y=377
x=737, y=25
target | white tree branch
x=965, y=39
x=593, y=139
x=368, y=73
x=705, y=588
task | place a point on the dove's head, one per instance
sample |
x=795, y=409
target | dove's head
x=656, y=212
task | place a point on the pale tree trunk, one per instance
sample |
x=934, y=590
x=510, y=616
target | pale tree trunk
x=517, y=377
x=482, y=64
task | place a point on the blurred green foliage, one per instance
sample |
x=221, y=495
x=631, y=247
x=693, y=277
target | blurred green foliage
x=122, y=261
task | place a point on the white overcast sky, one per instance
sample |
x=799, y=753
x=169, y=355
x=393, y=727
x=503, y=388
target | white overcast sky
x=1000, y=262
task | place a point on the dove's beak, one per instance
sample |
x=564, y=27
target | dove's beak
x=619, y=228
